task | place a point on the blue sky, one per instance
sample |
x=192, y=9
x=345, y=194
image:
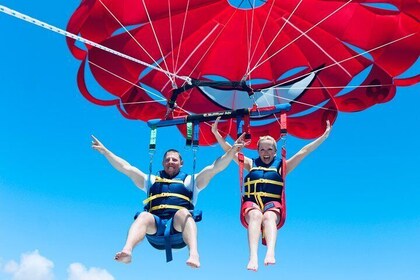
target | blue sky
x=353, y=204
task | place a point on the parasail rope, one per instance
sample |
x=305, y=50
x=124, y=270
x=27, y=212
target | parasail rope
x=132, y=37
x=259, y=63
x=347, y=59
x=156, y=39
x=131, y=83
x=182, y=35
x=318, y=46
x=202, y=41
x=275, y=37
x=52, y=28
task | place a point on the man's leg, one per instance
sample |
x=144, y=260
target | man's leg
x=144, y=224
x=184, y=222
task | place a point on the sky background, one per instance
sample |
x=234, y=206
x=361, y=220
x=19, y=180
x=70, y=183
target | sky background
x=353, y=204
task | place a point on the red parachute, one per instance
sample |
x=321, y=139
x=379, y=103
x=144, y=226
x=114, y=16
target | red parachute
x=320, y=56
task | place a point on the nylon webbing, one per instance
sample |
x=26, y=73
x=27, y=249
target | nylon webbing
x=189, y=134
x=152, y=142
x=150, y=198
x=152, y=149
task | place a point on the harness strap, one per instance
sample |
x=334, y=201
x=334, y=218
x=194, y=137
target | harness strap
x=263, y=194
x=259, y=195
x=241, y=160
x=283, y=175
x=262, y=181
x=167, y=239
x=165, y=206
x=165, y=180
x=246, y=129
x=152, y=142
x=152, y=148
x=263, y=168
x=159, y=195
x=194, y=145
x=189, y=135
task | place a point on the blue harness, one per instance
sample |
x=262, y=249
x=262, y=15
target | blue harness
x=165, y=197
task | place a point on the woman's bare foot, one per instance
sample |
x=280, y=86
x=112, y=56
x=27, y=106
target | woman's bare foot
x=269, y=260
x=253, y=264
x=193, y=261
x=123, y=257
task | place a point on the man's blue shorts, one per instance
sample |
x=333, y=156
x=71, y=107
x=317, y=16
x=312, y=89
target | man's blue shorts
x=157, y=240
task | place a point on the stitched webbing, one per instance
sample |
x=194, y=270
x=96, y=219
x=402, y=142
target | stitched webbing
x=165, y=206
x=264, y=168
x=159, y=195
x=262, y=181
x=165, y=180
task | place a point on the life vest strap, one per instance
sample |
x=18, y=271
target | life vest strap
x=262, y=181
x=264, y=168
x=165, y=180
x=263, y=194
x=259, y=195
x=160, y=195
x=165, y=206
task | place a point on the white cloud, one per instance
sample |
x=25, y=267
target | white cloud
x=78, y=271
x=32, y=266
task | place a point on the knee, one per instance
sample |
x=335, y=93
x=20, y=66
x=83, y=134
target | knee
x=254, y=215
x=183, y=218
x=145, y=218
x=182, y=214
x=270, y=218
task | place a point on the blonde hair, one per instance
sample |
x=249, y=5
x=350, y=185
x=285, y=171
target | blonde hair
x=267, y=138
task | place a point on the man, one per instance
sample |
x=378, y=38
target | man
x=171, y=196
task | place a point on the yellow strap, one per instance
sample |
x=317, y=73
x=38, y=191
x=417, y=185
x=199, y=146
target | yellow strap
x=258, y=197
x=165, y=206
x=159, y=195
x=164, y=180
x=263, y=194
x=264, y=168
x=262, y=181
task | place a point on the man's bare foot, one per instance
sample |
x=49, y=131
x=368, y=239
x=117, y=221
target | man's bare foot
x=269, y=260
x=253, y=264
x=193, y=261
x=123, y=257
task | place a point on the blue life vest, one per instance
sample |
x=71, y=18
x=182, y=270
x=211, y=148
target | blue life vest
x=168, y=195
x=263, y=182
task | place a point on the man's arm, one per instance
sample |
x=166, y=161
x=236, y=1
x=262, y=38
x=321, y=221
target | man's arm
x=306, y=150
x=138, y=177
x=204, y=177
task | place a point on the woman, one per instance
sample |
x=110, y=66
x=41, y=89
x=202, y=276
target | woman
x=261, y=201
